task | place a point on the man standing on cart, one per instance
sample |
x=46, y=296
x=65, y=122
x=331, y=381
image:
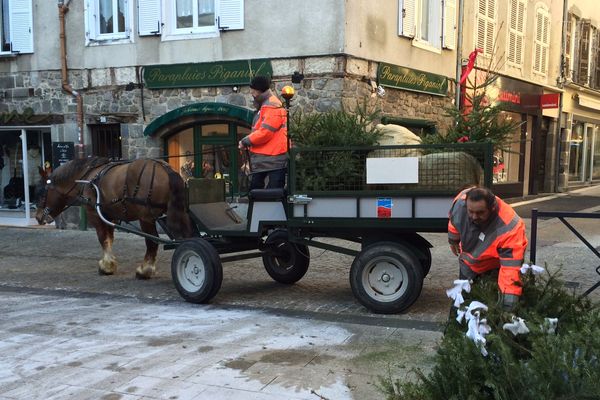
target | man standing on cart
x=487, y=235
x=267, y=142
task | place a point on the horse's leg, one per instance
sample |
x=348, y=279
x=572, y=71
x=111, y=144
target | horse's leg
x=148, y=267
x=106, y=235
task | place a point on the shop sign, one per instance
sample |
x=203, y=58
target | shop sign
x=62, y=152
x=549, y=100
x=226, y=73
x=27, y=117
x=411, y=79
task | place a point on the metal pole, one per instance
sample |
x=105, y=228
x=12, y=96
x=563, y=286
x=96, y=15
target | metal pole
x=532, y=245
x=459, y=40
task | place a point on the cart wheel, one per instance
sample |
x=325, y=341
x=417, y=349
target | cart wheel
x=386, y=277
x=196, y=270
x=285, y=262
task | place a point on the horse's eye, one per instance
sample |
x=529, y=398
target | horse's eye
x=48, y=182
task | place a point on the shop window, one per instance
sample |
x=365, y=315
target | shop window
x=576, y=152
x=516, y=31
x=506, y=161
x=431, y=23
x=183, y=19
x=106, y=140
x=16, y=26
x=108, y=21
x=596, y=155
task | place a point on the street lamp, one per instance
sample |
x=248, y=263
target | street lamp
x=287, y=92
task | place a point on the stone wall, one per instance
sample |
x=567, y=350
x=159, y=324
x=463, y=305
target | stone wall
x=114, y=95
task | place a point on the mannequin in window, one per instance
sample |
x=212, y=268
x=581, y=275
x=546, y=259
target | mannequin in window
x=34, y=161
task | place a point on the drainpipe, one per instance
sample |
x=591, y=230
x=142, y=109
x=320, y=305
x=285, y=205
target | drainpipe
x=66, y=86
x=459, y=41
x=561, y=84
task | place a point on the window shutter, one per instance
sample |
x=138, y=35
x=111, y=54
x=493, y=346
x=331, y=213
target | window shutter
x=486, y=26
x=567, y=72
x=21, y=26
x=449, y=24
x=406, y=18
x=231, y=14
x=584, y=53
x=538, y=43
x=597, y=53
x=149, y=17
x=545, y=42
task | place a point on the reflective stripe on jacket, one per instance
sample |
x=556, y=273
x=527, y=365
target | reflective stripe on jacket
x=501, y=243
x=269, y=129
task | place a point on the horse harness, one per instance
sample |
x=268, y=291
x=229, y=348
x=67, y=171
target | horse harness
x=125, y=198
x=81, y=199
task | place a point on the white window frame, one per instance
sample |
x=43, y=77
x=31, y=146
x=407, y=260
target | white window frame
x=20, y=24
x=541, y=41
x=442, y=23
x=92, y=24
x=229, y=15
x=517, y=9
x=489, y=30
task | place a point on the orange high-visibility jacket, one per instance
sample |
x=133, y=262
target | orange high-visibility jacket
x=269, y=129
x=501, y=243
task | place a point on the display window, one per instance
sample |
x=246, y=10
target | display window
x=506, y=160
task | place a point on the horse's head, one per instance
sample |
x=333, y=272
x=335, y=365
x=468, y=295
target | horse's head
x=50, y=200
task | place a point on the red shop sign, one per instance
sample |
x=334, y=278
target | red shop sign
x=549, y=100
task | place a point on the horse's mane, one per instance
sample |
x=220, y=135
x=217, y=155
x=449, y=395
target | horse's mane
x=76, y=168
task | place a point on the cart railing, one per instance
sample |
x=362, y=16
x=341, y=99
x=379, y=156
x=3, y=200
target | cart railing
x=442, y=169
x=561, y=215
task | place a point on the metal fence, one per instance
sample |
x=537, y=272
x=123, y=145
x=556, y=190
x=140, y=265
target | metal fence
x=441, y=168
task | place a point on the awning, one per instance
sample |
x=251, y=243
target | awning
x=588, y=102
x=186, y=115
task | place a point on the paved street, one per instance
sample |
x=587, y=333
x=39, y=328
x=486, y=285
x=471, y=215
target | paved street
x=66, y=332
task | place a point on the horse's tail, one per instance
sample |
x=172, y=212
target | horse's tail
x=178, y=220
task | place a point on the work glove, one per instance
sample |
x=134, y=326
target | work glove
x=508, y=301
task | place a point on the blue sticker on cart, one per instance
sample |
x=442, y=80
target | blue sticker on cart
x=384, y=207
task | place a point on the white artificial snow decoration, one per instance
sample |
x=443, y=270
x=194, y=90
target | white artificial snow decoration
x=455, y=292
x=516, y=327
x=535, y=269
x=477, y=330
x=549, y=325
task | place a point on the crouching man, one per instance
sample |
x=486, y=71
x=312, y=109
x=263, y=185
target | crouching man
x=487, y=235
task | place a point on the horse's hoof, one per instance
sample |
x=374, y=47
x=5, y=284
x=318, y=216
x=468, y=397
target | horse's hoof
x=140, y=275
x=103, y=272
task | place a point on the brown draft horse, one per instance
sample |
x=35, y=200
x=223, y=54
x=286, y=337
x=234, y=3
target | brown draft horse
x=141, y=190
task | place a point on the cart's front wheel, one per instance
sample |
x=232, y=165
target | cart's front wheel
x=196, y=270
x=284, y=261
x=386, y=277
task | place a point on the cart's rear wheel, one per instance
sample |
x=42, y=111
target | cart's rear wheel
x=196, y=270
x=426, y=260
x=386, y=277
x=284, y=261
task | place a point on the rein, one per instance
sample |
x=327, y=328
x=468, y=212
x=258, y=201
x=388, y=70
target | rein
x=47, y=210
